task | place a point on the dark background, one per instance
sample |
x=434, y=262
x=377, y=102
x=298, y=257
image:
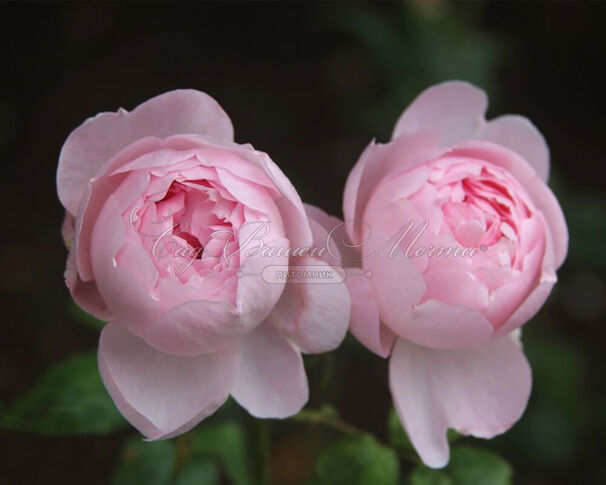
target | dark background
x=311, y=84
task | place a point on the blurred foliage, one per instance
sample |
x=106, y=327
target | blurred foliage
x=407, y=46
x=467, y=466
x=551, y=432
x=225, y=443
x=357, y=459
x=69, y=398
x=148, y=463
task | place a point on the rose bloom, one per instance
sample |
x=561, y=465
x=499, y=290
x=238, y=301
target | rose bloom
x=449, y=321
x=161, y=206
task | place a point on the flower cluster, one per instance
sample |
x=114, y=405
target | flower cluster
x=215, y=278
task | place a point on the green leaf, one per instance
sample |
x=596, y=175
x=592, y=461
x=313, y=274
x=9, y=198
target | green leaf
x=467, y=465
x=226, y=443
x=146, y=463
x=69, y=398
x=397, y=436
x=427, y=476
x=81, y=316
x=356, y=460
x=199, y=471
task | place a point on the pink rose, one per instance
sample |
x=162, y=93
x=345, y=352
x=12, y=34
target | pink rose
x=170, y=225
x=449, y=316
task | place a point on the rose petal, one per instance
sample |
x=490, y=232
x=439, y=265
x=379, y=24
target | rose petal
x=314, y=315
x=270, y=380
x=195, y=327
x=442, y=326
x=519, y=134
x=127, y=299
x=382, y=161
x=454, y=108
x=160, y=394
x=480, y=392
x=365, y=323
x=98, y=139
x=541, y=195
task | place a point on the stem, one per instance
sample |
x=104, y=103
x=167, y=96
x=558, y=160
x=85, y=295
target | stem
x=311, y=416
x=184, y=445
x=314, y=417
x=261, y=453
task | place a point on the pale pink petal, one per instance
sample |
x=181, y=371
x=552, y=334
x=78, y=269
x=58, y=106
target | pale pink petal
x=454, y=108
x=382, y=161
x=398, y=284
x=127, y=299
x=535, y=300
x=442, y=326
x=195, y=327
x=294, y=217
x=270, y=380
x=160, y=394
x=365, y=323
x=480, y=392
x=84, y=293
x=314, y=315
x=455, y=286
x=350, y=194
x=331, y=232
x=98, y=139
x=256, y=298
x=519, y=134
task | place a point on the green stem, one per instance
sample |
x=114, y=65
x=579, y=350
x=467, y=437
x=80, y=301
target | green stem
x=314, y=417
x=261, y=453
x=311, y=416
x=184, y=445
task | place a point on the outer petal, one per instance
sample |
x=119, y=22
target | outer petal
x=295, y=219
x=125, y=296
x=480, y=392
x=454, y=108
x=520, y=135
x=85, y=294
x=350, y=194
x=535, y=300
x=98, y=139
x=195, y=327
x=382, y=161
x=365, y=323
x=160, y=394
x=439, y=325
x=270, y=381
x=314, y=315
x=397, y=283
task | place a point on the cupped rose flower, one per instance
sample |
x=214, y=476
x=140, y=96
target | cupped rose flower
x=455, y=223
x=169, y=226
